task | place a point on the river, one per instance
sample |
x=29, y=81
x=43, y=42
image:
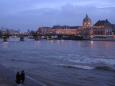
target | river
x=62, y=62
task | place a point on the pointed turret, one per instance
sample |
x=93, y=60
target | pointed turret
x=87, y=22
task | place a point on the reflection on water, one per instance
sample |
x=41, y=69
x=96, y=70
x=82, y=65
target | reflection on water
x=67, y=50
x=107, y=44
x=37, y=43
x=56, y=60
x=5, y=44
x=92, y=44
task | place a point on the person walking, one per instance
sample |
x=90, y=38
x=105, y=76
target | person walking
x=22, y=77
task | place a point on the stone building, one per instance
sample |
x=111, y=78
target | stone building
x=86, y=30
x=102, y=28
x=87, y=23
x=67, y=30
x=113, y=28
x=60, y=30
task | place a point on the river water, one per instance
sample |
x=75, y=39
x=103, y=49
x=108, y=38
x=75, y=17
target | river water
x=62, y=62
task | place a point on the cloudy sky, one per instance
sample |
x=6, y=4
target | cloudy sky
x=31, y=14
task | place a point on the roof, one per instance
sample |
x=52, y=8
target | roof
x=74, y=27
x=65, y=27
x=86, y=18
x=44, y=27
x=113, y=27
x=103, y=22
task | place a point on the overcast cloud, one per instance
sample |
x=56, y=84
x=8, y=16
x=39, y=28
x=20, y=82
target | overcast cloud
x=30, y=14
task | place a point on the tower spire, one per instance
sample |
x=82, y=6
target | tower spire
x=87, y=21
x=86, y=15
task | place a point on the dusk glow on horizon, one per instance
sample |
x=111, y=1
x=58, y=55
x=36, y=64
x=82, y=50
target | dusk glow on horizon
x=31, y=14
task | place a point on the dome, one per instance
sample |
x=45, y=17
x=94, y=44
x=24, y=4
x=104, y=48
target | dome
x=87, y=21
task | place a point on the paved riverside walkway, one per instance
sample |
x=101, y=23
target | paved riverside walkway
x=7, y=78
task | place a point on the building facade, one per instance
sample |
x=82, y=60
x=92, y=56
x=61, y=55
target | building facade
x=60, y=30
x=102, y=28
x=86, y=30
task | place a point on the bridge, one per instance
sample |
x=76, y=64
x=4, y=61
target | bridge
x=37, y=36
